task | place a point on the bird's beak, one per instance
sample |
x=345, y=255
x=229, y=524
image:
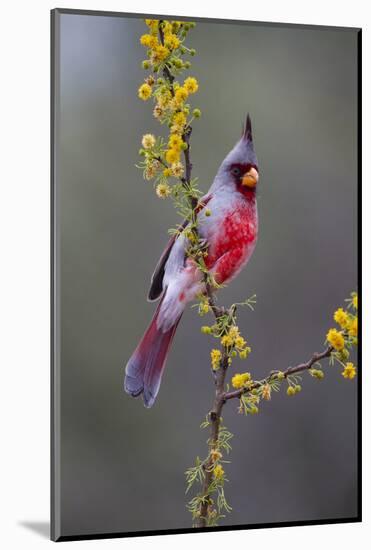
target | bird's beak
x=251, y=178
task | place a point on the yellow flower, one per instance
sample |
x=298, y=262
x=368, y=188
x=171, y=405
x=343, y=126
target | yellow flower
x=159, y=53
x=218, y=471
x=172, y=155
x=149, y=41
x=164, y=98
x=175, y=142
x=179, y=118
x=148, y=141
x=355, y=300
x=163, y=190
x=181, y=95
x=171, y=41
x=177, y=169
x=349, y=371
x=341, y=317
x=335, y=339
x=240, y=380
x=353, y=327
x=145, y=92
x=151, y=169
x=191, y=85
x=167, y=172
x=152, y=24
x=176, y=129
x=226, y=341
x=216, y=356
x=167, y=27
x=240, y=342
x=234, y=332
x=204, y=307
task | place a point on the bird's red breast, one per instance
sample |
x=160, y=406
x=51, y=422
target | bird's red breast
x=234, y=241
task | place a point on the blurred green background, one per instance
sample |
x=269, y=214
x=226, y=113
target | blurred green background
x=122, y=465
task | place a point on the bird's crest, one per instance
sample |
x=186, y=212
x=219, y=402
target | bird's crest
x=247, y=131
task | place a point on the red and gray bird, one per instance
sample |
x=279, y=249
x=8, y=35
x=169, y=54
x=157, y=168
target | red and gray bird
x=227, y=221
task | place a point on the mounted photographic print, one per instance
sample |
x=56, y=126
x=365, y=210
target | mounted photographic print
x=205, y=286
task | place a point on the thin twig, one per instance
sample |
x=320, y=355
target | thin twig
x=288, y=372
x=215, y=419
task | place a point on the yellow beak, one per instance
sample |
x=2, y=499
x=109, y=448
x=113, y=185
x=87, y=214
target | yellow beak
x=251, y=178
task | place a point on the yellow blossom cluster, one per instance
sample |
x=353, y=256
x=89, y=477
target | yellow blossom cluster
x=145, y=91
x=203, y=306
x=216, y=356
x=190, y=85
x=341, y=317
x=157, y=50
x=233, y=339
x=346, y=336
x=177, y=169
x=152, y=167
x=165, y=45
x=353, y=327
x=347, y=321
x=148, y=141
x=335, y=339
x=163, y=190
x=349, y=371
x=241, y=380
x=218, y=472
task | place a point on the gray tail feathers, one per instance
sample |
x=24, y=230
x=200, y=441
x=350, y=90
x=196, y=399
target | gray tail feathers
x=145, y=367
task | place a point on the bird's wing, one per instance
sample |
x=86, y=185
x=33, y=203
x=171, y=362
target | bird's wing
x=156, y=288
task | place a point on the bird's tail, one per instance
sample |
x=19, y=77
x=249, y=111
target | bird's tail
x=144, y=369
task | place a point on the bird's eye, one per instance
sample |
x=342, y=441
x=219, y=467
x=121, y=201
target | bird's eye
x=236, y=171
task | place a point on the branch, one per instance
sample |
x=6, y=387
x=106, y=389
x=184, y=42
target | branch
x=291, y=370
x=215, y=418
x=166, y=71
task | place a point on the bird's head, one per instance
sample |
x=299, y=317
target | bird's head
x=240, y=166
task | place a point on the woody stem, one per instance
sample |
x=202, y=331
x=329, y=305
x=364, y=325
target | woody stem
x=214, y=419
